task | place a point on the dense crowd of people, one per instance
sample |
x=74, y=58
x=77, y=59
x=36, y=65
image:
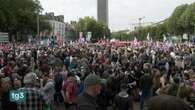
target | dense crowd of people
x=86, y=76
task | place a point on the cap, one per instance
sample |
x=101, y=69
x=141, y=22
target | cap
x=30, y=78
x=92, y=79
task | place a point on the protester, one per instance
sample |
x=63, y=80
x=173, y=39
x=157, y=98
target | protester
x=145, y=86
x=123, y=101
x=6, y=88
x=58, y=81
x=48, y=91
x=147, y=68
x=34, y=97
x=103, y=96
x=69, y=90
x=87, y=101
x=166, y=102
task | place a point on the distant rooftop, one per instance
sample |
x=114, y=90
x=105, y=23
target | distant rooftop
x=51, y=16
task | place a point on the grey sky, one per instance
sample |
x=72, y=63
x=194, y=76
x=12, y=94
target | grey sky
x=121, y=12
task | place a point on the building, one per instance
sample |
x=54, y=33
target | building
x=57, y=24
x=102, y=11
x=136, y=26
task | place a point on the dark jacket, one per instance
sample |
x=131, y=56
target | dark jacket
x=173, y=89
x=123, y=102
x=6, y=104
x=86, y=102
x=146, y=82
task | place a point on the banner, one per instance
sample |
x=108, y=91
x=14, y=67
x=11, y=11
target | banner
x=80, y=34
x=89, y=35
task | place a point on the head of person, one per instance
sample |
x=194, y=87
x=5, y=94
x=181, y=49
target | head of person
x=17, y=83
x=6, y=84
x=57, y=69
x=45, y=68
x=30, y=79
x=186, y=76
x=92, y=84
x=146, y=67
x=45, y=77
x=176, y=80
x=71, y=77
x=165, y=102
x=124, y=87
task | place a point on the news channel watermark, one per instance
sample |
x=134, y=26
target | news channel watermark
x=18, y=96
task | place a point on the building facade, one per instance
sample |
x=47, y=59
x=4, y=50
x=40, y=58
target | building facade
x=102, y=11
x=57, y=24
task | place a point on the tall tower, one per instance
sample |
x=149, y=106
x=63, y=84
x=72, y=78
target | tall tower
x=102, y=11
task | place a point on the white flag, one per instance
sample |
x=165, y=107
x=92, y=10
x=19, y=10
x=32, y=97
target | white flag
x=164, y=38
x=148, y=37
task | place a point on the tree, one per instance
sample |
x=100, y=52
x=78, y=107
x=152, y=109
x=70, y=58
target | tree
x=2, y=19
x=19, y=17
x=188, y=19
x=89, y=24
x=181, y=21
x=174, y=24
x=161, y=29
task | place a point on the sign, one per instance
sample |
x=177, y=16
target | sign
x=185, y=36
x=81, y=38
x=164, y=38
x=18, y=96
x=80, y=34
x=89, y=35
x=4, y=37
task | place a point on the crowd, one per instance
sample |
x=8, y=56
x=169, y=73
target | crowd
x=84, y=76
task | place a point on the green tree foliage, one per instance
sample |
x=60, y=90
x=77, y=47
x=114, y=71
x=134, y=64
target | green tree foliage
x=160, y=31
x=174, y=22
x=20, y=16
x=181, y=21
x=71, y=31
x=188, y=19
x=89, y=24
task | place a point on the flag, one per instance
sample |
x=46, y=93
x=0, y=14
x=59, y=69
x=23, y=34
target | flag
x=57, y=38
x=135, y=39
x=89, y=35
x=164, y=38
x=148, y=37
x=135, y=42
x=80, y=34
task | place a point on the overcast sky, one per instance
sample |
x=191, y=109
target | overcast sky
x=122, y=13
